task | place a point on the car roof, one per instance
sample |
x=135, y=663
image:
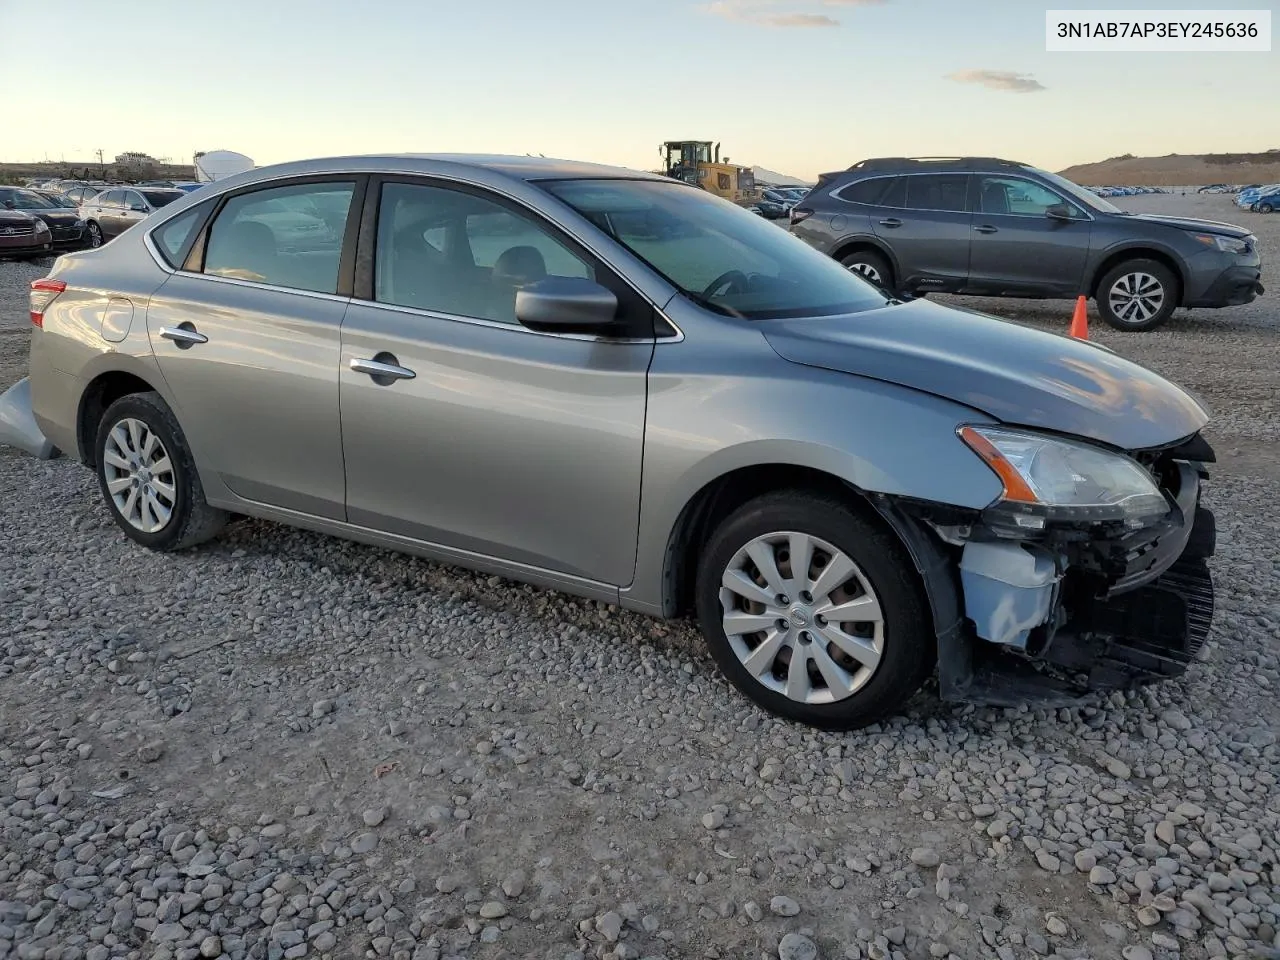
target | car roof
x=512, y=167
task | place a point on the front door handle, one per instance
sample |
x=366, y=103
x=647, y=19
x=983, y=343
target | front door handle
x=383, y=368
x=986, y=228
x=891, y=222
x=184, y=335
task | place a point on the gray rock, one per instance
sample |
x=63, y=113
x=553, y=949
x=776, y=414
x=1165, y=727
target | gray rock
x=513, y=885
x=1136, y=952
x=784, y=907
x=493, y=910
x=1037, y=944
x=374, y=817
x=925, y=857
x=365, y=843
x=169, y=933
x=610, y=926
x=795, y=946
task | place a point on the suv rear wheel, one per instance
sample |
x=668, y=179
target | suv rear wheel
x=871, y=265
x=812, y=612
x=1137, y=295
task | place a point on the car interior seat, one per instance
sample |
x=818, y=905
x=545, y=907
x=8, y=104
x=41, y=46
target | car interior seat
x=995, y=198
x=246, y=250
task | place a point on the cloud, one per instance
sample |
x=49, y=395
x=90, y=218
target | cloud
x=999, y=80
x=742, y=13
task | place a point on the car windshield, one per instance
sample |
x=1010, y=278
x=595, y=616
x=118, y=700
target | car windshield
x=158, y=198
x=23, y=199
x=1077, y=192
x=718, y=254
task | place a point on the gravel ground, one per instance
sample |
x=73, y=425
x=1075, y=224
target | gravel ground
x=283, y=745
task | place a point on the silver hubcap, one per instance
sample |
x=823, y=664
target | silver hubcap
x=1136, y=297
x=801, y=617
x=95, y=235
x=139, y=476
x=867, y=270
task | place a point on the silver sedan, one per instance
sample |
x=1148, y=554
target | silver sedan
x=620, y=386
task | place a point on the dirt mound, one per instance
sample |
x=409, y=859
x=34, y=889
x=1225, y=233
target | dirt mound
x=1179, y=170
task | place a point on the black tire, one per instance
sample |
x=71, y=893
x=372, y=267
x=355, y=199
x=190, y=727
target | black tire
x=1169, y=288
x=1265, y=208
x=909, y=646
x=191, y=519
x=871, y=265
x=96, y=239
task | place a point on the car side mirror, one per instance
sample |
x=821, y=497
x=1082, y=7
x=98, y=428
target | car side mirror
x=567, y=305
x=137, y=208
x=1059, y=211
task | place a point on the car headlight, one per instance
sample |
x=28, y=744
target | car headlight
x=80, y=223
x=41, y=226
x=1225, y=244
x=1046, y=478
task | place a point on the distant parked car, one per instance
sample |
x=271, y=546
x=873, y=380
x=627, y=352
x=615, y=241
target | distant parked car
x=113, y=211
x=991, y=227
x=1268, y=200
x=66, y=228
x=22, y=235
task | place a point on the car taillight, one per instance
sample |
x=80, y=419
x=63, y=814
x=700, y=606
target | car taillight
x=800, y=213
x=43, y=293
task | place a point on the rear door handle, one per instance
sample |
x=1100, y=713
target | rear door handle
x=183, y=336
x=891, y=222
x=382, y=370
x=986, y=228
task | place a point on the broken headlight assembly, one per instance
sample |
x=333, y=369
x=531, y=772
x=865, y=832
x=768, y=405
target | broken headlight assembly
x=1049, y=479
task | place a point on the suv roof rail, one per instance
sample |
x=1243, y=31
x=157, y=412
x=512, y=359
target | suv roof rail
x=969, y=163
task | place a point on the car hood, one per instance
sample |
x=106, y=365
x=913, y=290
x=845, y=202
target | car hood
x=1012, y=373
x=1191, y=223
x=13, y=218
x=62, y=215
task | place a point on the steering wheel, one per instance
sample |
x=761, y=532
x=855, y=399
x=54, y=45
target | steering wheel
x=725, y=283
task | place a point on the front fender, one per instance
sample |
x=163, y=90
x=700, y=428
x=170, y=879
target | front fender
x=878, y=437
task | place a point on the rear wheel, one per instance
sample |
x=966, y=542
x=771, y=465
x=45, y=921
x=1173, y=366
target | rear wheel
x=871, y=265
x=1137, y=295
x=812, y=612
x=148, y=478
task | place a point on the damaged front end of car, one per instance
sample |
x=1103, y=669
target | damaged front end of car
x=1088, y=574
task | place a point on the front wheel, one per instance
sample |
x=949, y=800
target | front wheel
x=1265, y=208
x=148, y=477
x=95, y=235
x=814, y=613
x=1137, y=295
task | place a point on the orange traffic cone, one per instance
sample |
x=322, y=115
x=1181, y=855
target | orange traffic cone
x=1080, y=320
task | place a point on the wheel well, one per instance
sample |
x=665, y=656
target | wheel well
x=859, y=245
x=102, y=391
x=721, y=497
x=1137, y=253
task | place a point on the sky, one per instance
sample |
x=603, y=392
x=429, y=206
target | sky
x=796, y=86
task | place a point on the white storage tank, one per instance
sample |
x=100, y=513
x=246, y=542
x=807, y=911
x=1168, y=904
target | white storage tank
x=217, y=164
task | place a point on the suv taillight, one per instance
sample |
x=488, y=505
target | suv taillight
x=800, y=213
x=43, y=293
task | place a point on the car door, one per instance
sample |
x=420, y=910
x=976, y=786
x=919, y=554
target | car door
x=1027, y=238
x=134, y=211
x=487, y=437
x=248, y=337
x=924, y=220
x=108, y=209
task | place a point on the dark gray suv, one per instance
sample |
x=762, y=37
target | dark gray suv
x=989, y=227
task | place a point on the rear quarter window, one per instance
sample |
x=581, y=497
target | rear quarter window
x=869, y=191
x=173, y=239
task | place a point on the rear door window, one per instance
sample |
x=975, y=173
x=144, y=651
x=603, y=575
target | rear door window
x=268, y=236
x=938, y=191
